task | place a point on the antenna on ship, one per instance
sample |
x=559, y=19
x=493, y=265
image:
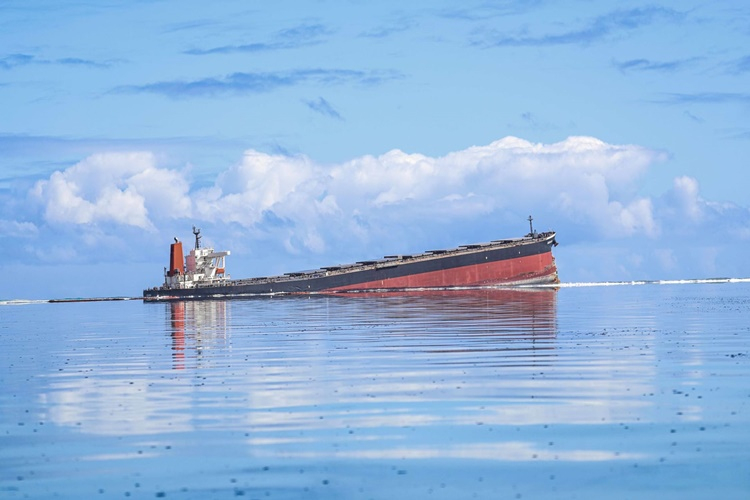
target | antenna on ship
x=197, y=233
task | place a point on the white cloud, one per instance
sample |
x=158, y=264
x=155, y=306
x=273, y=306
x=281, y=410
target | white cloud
x=311, y=206
x=589, y=181
x=281, y=213
x=582, y=187
x=586, y=180
x=165, y=192
x=683, y=212
x=636, y=217
x=261, y=182
x=113, y=187
x=689, y=204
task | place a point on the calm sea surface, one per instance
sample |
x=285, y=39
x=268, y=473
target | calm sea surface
x=630, y=391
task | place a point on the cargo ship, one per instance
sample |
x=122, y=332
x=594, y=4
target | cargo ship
x=508, y=262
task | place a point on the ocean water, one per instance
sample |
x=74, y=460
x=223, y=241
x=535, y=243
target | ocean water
x=586, y=391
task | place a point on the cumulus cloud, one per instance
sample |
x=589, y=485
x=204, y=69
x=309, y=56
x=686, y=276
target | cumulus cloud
x=582, y=185
x=283, y=209
x=112, y=187
x=685, y=193
x=682, y=210
x=259, y=183
x=582, y=178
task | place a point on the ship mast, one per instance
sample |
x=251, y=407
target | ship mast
x=197, y=233
x=531, y=227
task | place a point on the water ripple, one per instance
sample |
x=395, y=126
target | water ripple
x=577, y=392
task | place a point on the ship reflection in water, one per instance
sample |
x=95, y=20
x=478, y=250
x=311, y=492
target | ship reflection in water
x=391, y=375
x=492, y=393
x=483, y=320
x=196, y=326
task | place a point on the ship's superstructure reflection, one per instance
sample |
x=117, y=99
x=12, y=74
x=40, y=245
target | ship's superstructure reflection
x=196, y=326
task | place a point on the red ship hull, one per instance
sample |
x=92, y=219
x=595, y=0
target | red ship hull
x=530, y=269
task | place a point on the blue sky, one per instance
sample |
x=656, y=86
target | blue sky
x=301, y=134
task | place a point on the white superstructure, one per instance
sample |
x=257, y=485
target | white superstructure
x=202, y=266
